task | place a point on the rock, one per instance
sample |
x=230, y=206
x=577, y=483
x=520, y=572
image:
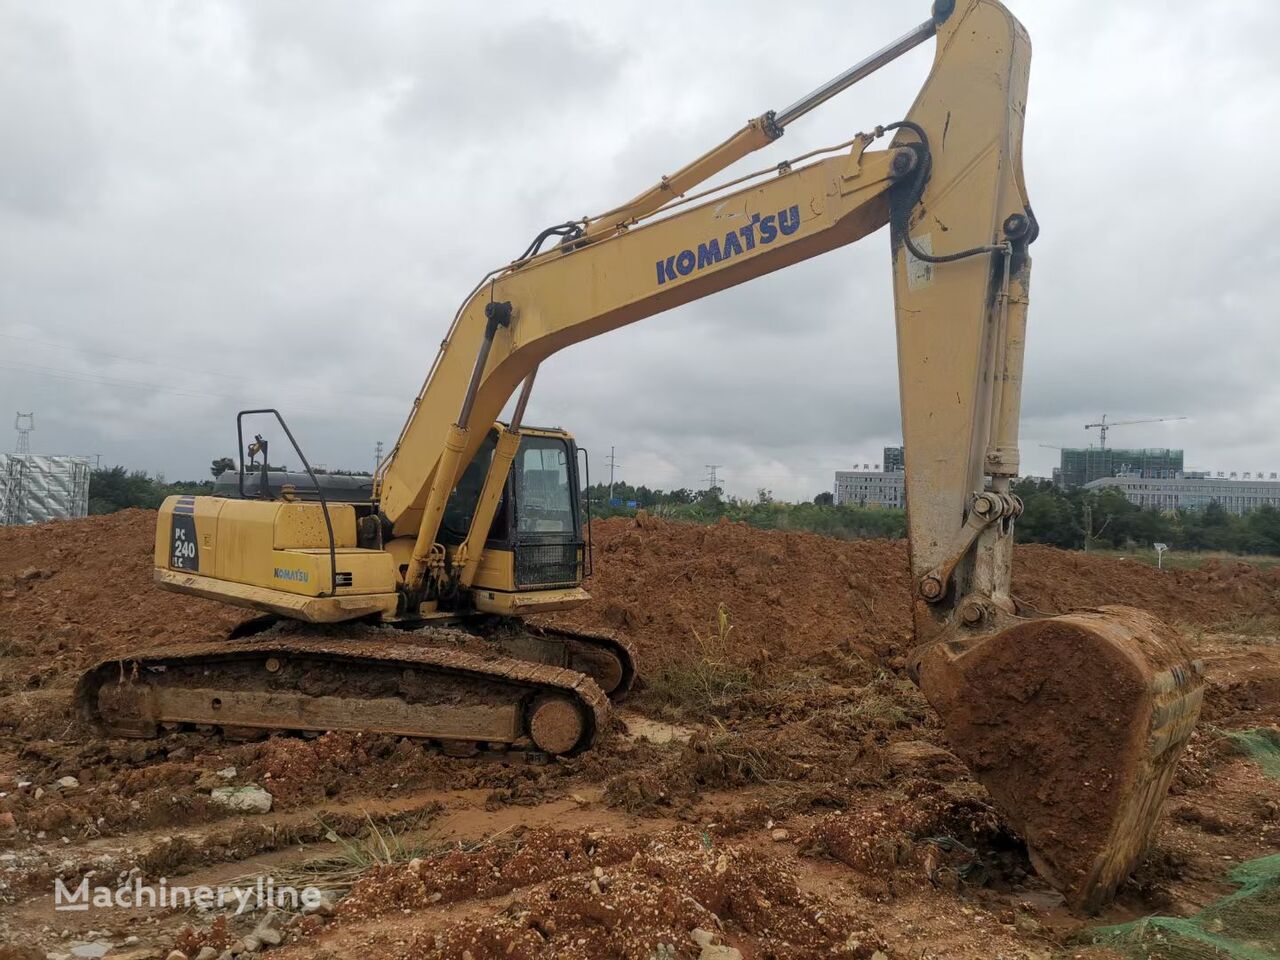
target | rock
x=714, y=951
x=91, y=950
x=879, y=955
x=39, y=792
x=226, y=773
x=131, y=941
x=594, y=887
x=176, y=955
x=207, y=953
x=68, y=783
x=247, y=799
x=324, y=906
x=415, y=865
x=920, y=755
x=779, y=834
x=703, y=938
x=1027, y=925
x=179, y=753
x=267, y=930
x=7, y=823
x=30, y=573
x=252, y=943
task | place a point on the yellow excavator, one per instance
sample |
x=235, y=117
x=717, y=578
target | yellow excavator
x=1073, y=723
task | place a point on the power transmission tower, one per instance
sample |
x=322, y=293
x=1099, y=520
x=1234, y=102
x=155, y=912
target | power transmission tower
x=377, y=456
x=712, y=483
x=24, y=431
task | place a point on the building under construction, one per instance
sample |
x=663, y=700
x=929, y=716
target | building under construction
x=1084, y=465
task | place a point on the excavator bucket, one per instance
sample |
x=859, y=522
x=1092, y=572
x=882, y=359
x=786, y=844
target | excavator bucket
x=1074, y=724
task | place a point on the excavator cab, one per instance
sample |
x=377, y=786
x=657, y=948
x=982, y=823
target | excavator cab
x=535, y=555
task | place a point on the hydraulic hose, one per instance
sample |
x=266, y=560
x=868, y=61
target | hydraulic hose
x=908, y=193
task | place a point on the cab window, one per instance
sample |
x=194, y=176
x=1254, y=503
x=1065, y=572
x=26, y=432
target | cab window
x=544, y=498
x=461, y=505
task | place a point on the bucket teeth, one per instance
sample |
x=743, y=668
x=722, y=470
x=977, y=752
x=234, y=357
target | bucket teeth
x=1074, y=724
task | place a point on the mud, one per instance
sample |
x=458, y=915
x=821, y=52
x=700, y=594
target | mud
x=805, y=771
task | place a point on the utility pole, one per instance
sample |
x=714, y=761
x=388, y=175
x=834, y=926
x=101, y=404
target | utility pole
x=24, y=423
x=613, y=462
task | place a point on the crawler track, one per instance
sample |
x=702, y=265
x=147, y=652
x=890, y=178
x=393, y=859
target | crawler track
x=277, y=681
x=606, y=659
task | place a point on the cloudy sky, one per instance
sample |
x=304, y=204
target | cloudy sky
x=207, y=206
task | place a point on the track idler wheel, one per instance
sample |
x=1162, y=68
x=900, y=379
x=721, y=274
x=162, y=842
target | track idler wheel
x=555, y=724
x=1074, y=724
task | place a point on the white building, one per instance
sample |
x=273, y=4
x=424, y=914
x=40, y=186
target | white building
x=1194, y=492
x=871, y=488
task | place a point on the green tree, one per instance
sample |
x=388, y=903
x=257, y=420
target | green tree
x=115, y=488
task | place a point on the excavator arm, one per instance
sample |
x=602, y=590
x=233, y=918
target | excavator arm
x=952, y=181
x=1073, y=723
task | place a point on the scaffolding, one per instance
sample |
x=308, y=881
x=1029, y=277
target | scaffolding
x=36, y=489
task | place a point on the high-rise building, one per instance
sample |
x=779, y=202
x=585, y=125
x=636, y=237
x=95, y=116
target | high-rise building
x=1084, y=465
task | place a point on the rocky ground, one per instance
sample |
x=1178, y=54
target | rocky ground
x=774, y=788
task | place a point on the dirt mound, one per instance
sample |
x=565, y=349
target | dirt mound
x=802, y=598
x=595, y=894
x=940, y=833
x=77, y=591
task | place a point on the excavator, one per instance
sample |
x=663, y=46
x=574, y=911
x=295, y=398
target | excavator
x=400, y=606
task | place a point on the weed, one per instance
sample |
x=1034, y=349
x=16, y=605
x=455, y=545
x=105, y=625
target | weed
x=379, y=846
x=700, y=682
x=1264, y=627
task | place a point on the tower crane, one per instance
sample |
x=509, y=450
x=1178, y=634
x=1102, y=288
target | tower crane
x=1103, y=426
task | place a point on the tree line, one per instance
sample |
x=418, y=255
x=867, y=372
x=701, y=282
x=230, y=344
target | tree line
x=1073, y=520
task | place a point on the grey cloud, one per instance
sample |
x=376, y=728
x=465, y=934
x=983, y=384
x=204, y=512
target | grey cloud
x=49, y=164
x=281, y=205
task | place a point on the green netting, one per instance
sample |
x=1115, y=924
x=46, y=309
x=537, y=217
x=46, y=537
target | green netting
x=1263, y=745
x=1242, y=926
